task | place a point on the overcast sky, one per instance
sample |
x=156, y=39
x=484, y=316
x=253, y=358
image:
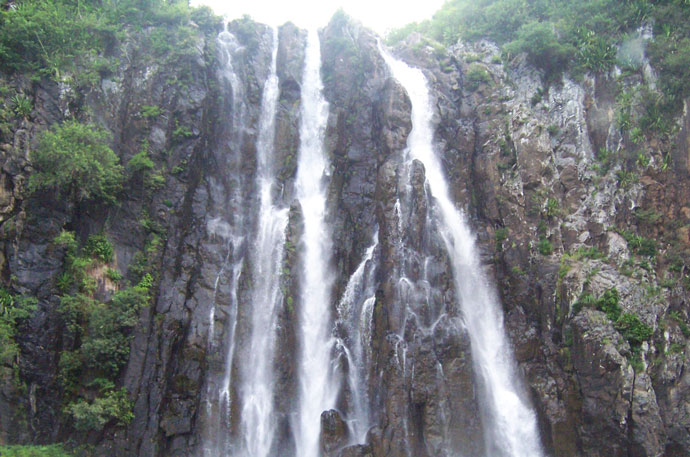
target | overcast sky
x=379, y=15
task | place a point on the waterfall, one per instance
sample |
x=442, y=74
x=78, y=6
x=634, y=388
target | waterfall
x=257, y=419
x=510, y=424
x=230, y=228
x=316, y=389
x=354, y=317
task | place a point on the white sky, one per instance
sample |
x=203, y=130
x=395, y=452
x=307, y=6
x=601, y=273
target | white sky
x=380, y=15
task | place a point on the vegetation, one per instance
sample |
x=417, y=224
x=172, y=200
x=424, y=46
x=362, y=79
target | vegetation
x=639, y=244
x=51, y=37
x=544, y=246
x=628, y=325
x=53, y=450
x=98, y=247
x=13, y=309
x=574, y=35
x=476, y=75
x=96, y=334
x=114, y=406
x=501, y=235
x=73, y=160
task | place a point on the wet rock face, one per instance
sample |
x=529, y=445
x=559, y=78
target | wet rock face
x=333, y=432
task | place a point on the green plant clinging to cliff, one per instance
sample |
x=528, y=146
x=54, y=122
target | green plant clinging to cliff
x=74, y=160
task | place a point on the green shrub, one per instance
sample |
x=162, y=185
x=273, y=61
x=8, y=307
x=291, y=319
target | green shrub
x=595, y=52
x=13, y=309
x=113, y=274
x=545, y=247
x=22, y=105
x=181, y=132
x=543, y=49
x=589, y=253
x=105, y=346
x=608, y=303
x=150, y=111
x=553, y=208
x=98, y=247
x=66, y=241
x=140, y=163
x=501, y=235
x=74, y=160
x=639, y=244
x=115, y=407
x=476, y=75
x=633, y=329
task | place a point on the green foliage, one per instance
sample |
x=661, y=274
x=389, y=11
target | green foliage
x=628, y=324
x=105, y=347
x=633, y=329
x=553, y=208
x=115, y=406
x=544, y=247
x=626, y=178
x=594, y=51
x=625, y=101
x=66, y=241
x=543, y=49
x=592, y=253
x=113, y=275
x=46, y=36
x=150, y=111
x=54, y=36
x=73, y=160
x=501, y=235
x=684, y=327
x=22, y=105
x=643, y=160
x=140, y=163
x=98, y=247
x=181, y=132
x=639, y=244
x=53, y=450
x=608, y=303
x=13, y=309
x=573, y=35
x=476, y=76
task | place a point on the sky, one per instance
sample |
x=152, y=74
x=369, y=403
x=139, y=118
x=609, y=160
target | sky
x=379, y=15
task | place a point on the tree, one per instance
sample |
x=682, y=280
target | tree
x=74, y=160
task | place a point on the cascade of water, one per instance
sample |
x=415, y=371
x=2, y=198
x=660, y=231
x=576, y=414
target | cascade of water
x=510, y=424
x=257, y=419
x=316, y=389
x=230, y=228
x=354, y=316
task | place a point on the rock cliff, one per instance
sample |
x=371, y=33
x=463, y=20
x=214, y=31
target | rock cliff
x=568, y=209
